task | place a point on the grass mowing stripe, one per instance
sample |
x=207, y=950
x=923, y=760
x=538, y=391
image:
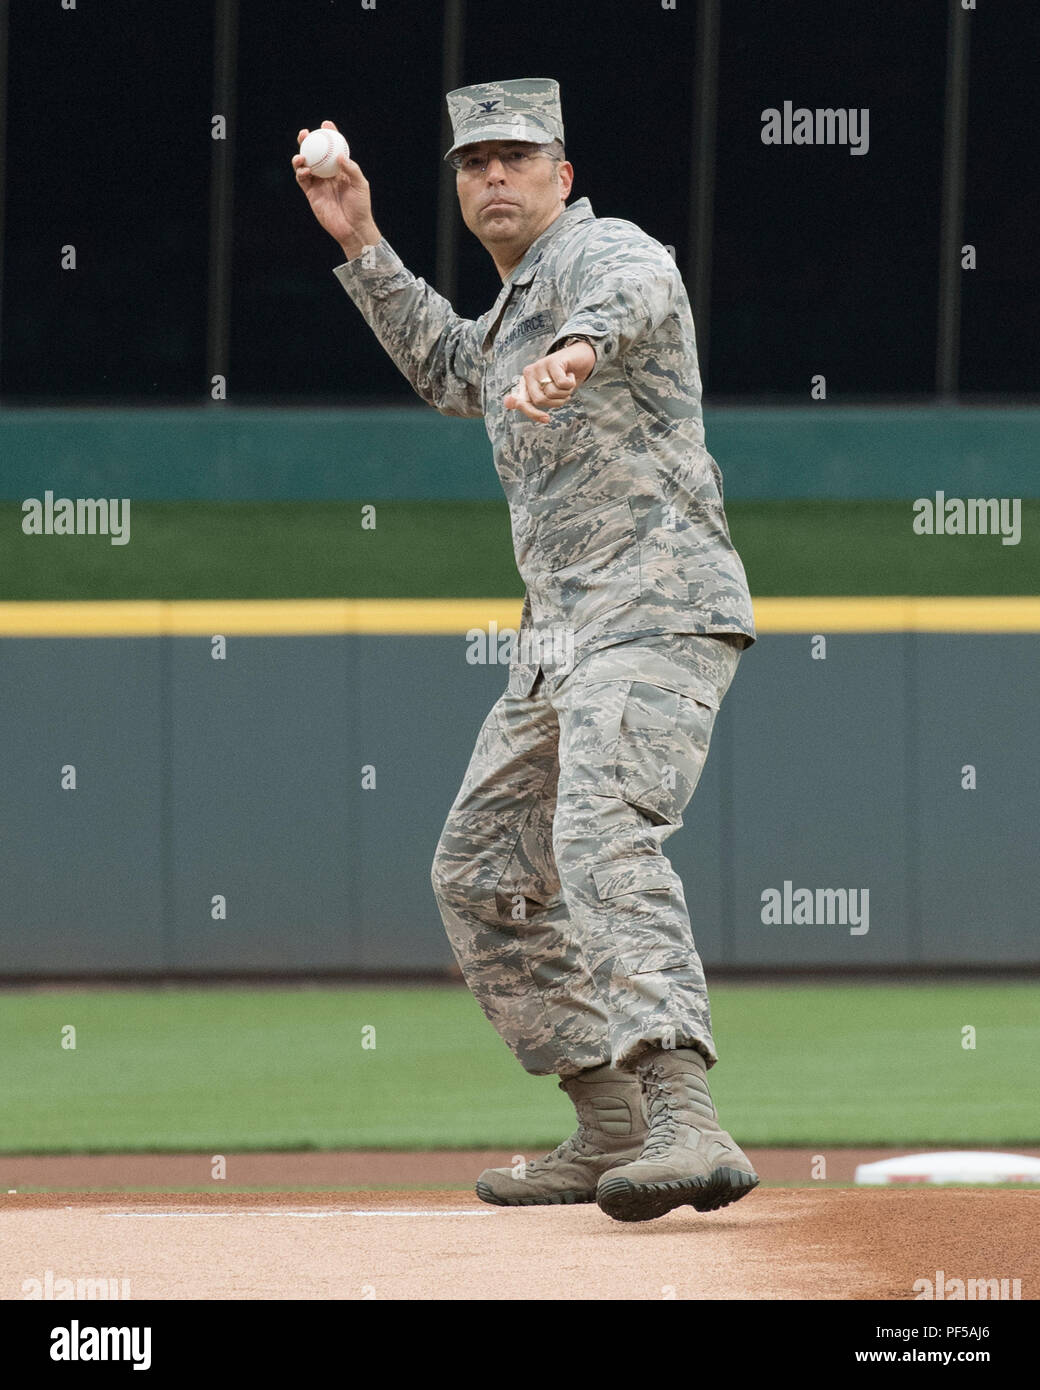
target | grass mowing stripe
x=463, y=550
x=220, y=1071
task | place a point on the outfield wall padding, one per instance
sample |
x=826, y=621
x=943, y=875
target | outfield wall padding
x=226, y=453
x=243, y=778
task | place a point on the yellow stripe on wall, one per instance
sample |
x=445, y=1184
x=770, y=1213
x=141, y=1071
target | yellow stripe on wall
x=897, y=614
x=253, y=617
x=305, y=617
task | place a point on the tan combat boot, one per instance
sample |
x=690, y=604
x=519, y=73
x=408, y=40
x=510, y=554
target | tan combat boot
x=611, y=1131
x=687, y=1159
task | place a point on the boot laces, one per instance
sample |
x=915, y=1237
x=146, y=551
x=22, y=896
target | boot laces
x=576, y=1146
x=661, y=1121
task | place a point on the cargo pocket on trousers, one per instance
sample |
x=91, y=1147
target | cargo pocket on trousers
x=642, y=952
x=661, y=753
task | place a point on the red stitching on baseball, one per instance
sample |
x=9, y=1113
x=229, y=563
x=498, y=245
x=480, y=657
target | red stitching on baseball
x=328, y=134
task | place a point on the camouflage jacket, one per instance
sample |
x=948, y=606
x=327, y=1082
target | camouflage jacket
x=616, y=505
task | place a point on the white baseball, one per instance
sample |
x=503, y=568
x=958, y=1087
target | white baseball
x=321, y=149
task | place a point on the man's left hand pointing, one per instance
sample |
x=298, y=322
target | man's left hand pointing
x=551, y=381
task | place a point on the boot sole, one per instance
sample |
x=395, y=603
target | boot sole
x=629, y=1201
x=557, y=1199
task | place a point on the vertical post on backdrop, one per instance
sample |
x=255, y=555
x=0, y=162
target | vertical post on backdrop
x=225, y=62
x=951, y=230
x=447, y=202
x=702, y=173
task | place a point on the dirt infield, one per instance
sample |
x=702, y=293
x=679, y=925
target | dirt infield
x=811, y=1241
x=778, y=1243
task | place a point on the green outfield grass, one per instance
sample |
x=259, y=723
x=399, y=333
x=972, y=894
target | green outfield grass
x=219, y=1070
x=463, y=550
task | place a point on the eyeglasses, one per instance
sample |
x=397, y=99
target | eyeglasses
x=518, y=157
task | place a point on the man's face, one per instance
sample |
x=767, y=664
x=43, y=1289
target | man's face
x=510, y=202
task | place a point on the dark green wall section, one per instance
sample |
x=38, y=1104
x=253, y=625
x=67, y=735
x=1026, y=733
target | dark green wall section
x=243, y=777
x=252, y=454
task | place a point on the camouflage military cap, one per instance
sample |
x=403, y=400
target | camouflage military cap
x=525, y=108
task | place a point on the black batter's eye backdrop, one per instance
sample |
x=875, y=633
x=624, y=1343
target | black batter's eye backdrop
x=798, y=258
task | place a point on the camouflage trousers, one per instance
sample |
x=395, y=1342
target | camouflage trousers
x=566, y=918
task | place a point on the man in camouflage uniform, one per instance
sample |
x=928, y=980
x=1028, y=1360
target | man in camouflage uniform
x=567, y=919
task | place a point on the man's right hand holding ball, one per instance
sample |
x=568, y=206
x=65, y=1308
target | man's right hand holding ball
x=342, y=203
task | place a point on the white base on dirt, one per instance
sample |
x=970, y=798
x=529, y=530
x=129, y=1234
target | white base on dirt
x=957, y=1165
